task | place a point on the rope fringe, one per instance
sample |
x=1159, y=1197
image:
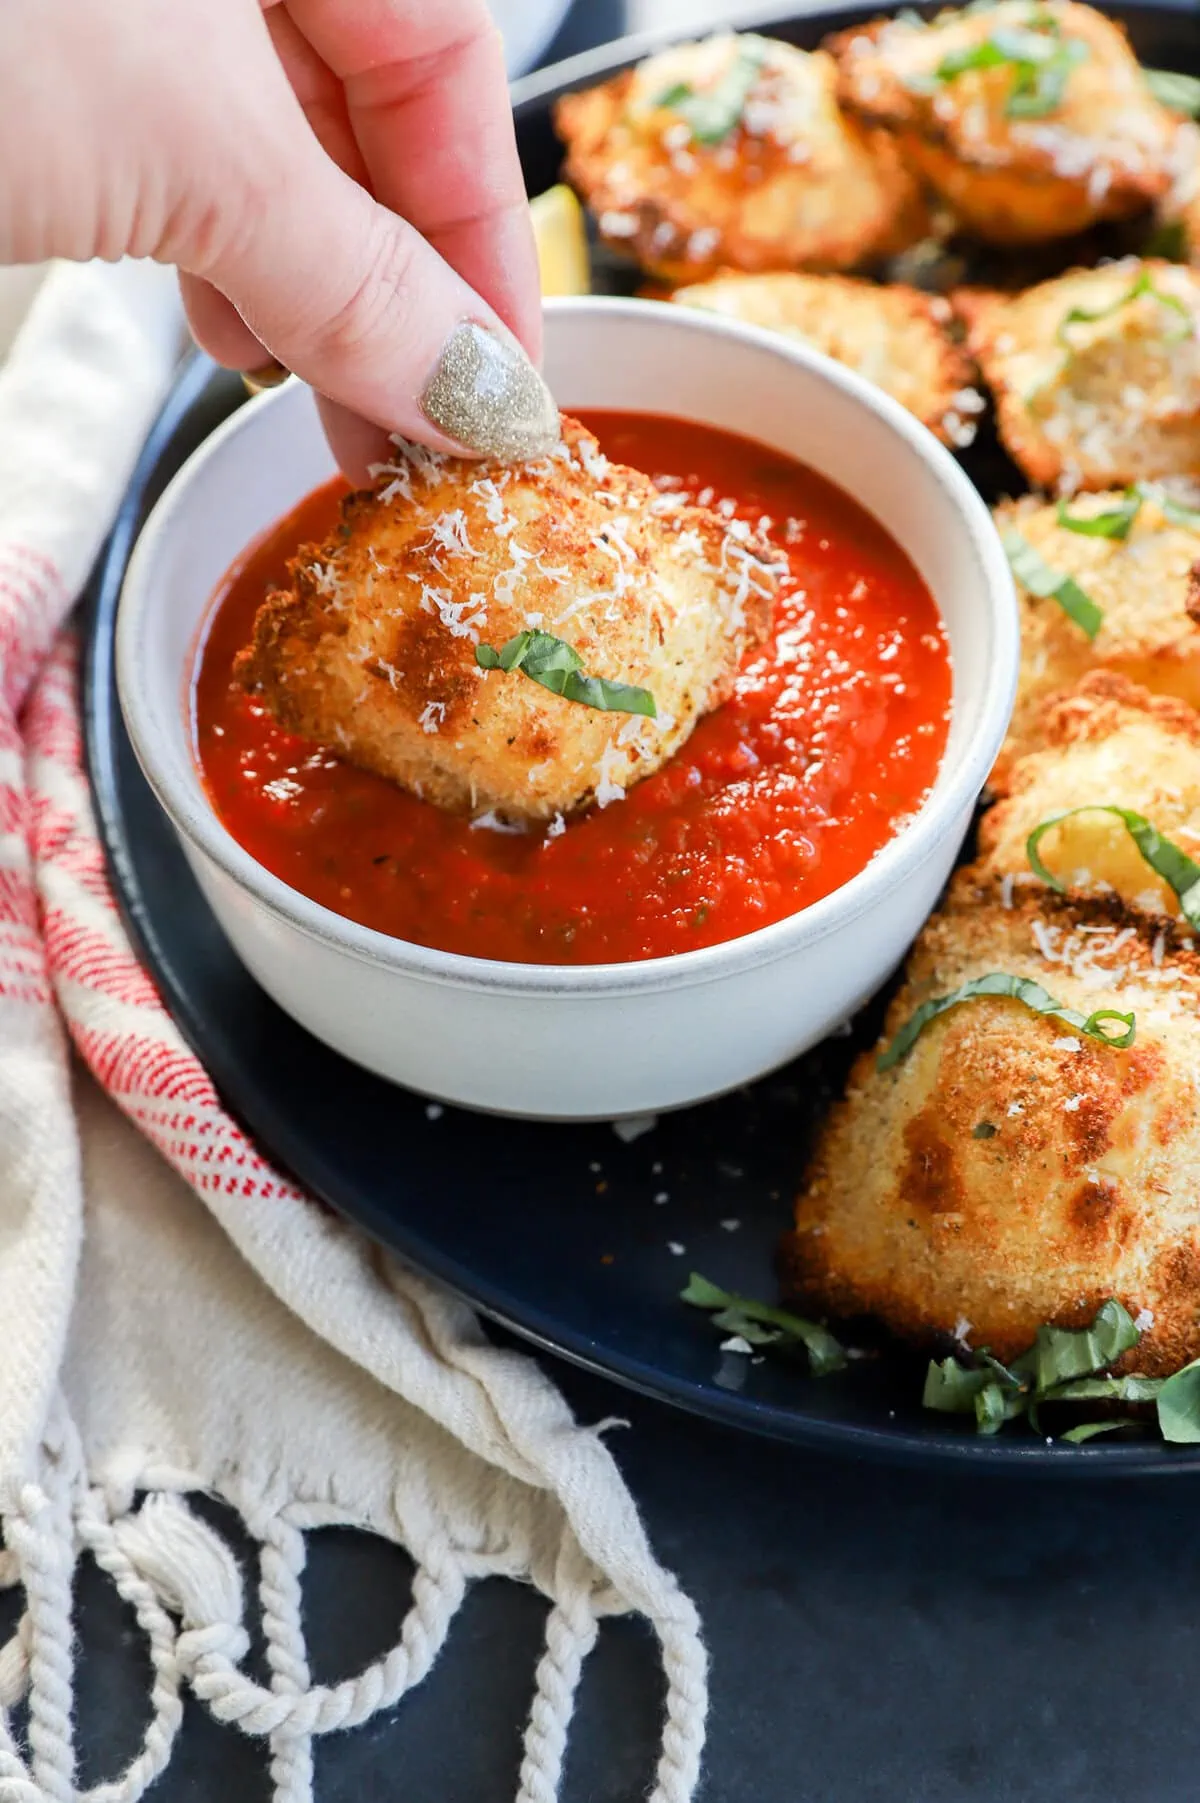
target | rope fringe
x=186, y=1590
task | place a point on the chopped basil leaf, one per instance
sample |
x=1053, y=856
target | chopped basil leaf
x=1033, y=573
x=984, y=1130
x=1179, y=93
x=1059, y=1354
x=1164, y=857
x=1041, y=61
x=557, y=666
x=1020, y=989
x=952, y=1388
x=1106, y=1389
x=995, y=1404
x=1062, y=1365
x=1117, y=522
x=712, y=113
x=1143, y=285
x=1114, y=522
x=1087, y=1430
x=1173, y=510
x=1179, y=1405
x=762, y=1324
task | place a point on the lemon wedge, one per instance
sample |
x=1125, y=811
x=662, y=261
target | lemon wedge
x=561, y=238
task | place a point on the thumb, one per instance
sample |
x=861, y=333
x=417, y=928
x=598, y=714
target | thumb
x=352, y=299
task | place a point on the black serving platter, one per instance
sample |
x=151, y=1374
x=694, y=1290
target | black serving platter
x=568, y=1235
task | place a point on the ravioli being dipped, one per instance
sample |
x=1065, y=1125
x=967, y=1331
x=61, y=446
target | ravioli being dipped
x=1107, y=581
x=732, y=153
x=516, y=642
x=1117, y=770
x=1031, y=121
x=1021, y=1156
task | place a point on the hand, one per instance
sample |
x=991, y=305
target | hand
x=336, y=180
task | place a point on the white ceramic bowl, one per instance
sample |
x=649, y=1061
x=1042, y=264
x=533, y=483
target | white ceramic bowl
x=595, y=1041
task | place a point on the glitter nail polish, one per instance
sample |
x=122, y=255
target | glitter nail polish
x=488, y=397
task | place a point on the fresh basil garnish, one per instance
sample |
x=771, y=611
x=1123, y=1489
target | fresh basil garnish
x=1063, y=1365
x=558, y=666
x=1117, y=522
x=761, y=1324
x=1106, y=1389
x=1088, y=1430
x=1178, y=93
x=1142, y=285
x=1164, y=857
x=1175, y=511
x=985, y=1388
x=1019, y=989
x=1114, y=522
x=712, y=113
x=1034, y=573
x=1179, y=1405
x=1061, y=1354
x=1040, y=58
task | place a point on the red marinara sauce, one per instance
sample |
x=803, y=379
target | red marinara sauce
x=830, y=742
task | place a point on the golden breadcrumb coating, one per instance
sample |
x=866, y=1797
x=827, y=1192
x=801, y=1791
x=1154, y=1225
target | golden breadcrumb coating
x=895, y=336
x=1092, y=403
x=1147, y=586
x=791, y=184
x=1107, y=742
x=1019, y=158
x=1012, y=1171
x=372, y=649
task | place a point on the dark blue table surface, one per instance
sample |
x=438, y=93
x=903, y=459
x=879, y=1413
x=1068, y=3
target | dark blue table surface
x=877, y=1636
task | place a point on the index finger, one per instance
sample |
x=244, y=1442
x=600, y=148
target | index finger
x=427, y=96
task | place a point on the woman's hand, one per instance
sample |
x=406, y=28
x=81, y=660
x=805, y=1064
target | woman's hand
x=336, y=180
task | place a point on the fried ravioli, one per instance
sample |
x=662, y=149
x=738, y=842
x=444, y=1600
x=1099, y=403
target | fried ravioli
x=372, y=650
x=1096, y=374
x=1107, y=743
x=1011, y=1170
x=1031, y=122
x=732, y=153
x=895, y=336
x=1146, y=585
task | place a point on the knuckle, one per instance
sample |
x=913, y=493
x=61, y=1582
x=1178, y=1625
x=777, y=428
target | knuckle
x=383, y=292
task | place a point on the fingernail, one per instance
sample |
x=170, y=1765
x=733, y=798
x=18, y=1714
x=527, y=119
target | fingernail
x=488, y=397
x=268, y=375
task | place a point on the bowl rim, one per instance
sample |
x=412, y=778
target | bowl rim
x=919, y=839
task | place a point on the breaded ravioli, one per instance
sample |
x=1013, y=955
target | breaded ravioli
x=1145, y=586
x=1107, y=743
x=1096, y=374
x=373, y=649
x=1012, y=1170
x=732, y=153
x=895, y=336
x=1032, y=121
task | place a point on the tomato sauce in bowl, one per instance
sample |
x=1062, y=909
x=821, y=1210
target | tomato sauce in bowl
x=829, y=744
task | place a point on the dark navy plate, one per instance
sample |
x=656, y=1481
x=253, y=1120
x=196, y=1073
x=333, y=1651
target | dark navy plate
x=570, y=1236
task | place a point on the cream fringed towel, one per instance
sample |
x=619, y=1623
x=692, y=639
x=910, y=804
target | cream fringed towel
x=213, y=1330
